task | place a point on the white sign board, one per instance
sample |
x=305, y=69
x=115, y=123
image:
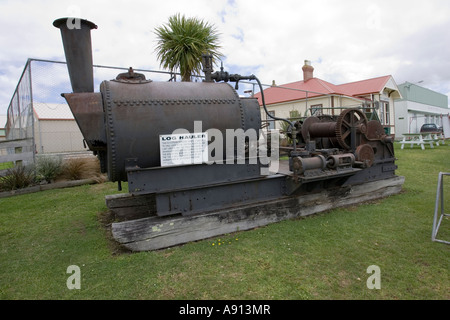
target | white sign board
x=183, y=149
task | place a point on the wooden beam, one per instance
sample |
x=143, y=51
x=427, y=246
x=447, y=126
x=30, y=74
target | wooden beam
x=153, y=233
x=16, y=143
x=23, y=156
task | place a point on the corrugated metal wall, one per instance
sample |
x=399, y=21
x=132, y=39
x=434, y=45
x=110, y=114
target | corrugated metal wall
x=415, y=93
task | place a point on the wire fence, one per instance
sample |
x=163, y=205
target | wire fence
x=37, y=110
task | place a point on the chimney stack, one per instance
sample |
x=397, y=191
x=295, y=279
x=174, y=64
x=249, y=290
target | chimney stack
x=76, y=37
x=307, y=71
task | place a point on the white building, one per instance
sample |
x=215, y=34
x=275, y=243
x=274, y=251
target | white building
x=3, y=119
x=55, y=129
x=418, y=106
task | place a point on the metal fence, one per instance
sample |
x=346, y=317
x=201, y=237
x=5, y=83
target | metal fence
x=38, y=112
x=15, y=153
x=439, y=211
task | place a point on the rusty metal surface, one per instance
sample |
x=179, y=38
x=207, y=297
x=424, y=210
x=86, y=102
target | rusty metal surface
x=76, y=37
x=351, y=120
x=375, y=130
x=137, y=113
x=195, y=201
x=124, y=121
x=87, y=109
x=132, y=76
x=365, y=154
x=165, y=179
x=313, y=127
x=350, y=127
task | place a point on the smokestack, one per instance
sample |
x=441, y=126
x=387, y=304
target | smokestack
x=307, y=71
x=76, y=37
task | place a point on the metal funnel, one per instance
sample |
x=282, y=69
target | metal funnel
x=76, y=37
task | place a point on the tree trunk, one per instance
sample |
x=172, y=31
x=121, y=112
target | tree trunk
x=186, y=77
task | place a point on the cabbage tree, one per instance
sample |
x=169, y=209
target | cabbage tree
x=181, y=43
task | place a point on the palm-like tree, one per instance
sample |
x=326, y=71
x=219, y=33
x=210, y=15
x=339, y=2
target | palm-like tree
x=182, y=42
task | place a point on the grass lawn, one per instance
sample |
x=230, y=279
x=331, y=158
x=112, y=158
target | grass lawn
x=324, y=256
x=6, y=165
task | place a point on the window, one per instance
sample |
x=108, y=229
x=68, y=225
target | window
x=366, y=106
x=271, y=121
x=377, y=105
x=386, y=111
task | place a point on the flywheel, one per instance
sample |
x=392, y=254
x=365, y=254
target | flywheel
x=348, y=120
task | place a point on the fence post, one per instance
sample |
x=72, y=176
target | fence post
x=439, y=203
x=31, y=111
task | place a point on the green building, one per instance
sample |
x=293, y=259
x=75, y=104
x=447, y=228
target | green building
x=418, y=106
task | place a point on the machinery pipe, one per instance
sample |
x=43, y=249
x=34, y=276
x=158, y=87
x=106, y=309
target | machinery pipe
x=301, y=165
x=340, y=160
x=76, y=37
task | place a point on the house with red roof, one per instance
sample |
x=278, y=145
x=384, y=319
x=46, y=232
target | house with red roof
x=314, y=96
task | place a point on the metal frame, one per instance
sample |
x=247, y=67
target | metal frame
x=175, y=178
x=439, y=198
x=198, y=200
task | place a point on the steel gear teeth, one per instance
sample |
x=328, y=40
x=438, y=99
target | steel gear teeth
x=346, y=120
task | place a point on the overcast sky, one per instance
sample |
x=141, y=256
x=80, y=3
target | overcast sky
x=346, y=40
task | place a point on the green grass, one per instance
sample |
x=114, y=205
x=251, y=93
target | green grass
x=324, y=256
x=6, y=165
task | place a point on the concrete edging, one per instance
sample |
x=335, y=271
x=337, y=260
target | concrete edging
x=43, y=187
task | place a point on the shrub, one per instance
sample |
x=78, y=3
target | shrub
x=81, y=168
x=73, y=169
x=48, y=168
x=17, y=178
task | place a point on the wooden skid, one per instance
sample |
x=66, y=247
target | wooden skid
x=153, y=233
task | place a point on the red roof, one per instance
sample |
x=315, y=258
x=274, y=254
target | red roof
x=316, y=87
x=358, y=88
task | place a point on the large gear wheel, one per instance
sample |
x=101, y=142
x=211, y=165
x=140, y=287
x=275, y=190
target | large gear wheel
x=365, y=154
x=348, y=120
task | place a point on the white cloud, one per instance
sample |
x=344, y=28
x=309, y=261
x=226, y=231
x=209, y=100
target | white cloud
x=346, y=40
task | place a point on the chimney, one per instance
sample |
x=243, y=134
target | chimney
x=76, y=37
x=307, y=71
